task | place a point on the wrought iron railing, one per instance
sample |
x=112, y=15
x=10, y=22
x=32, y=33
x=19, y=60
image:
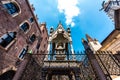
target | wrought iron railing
x=108, y=64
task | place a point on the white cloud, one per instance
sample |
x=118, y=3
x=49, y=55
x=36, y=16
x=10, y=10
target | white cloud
x=70, y=9
x=72, y=24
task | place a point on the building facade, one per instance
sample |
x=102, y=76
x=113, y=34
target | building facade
x=60, y=62
x=27, y=53
x=111, y=42
x=20, y=33
x=107, y=52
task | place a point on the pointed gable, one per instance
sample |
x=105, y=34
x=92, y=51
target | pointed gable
x=62, y=31
x=85, y=44
x=89, y=39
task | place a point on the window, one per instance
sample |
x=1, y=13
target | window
x=43, y=31
x=95, y=42
x=46, y=38
x=25, y=26
x=38, y=46
x=23, y=52
x=6, y=39
x=44, y=45
x=31, y=20
x=12, y=7
x=32, y=38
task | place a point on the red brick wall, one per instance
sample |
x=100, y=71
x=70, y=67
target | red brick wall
x=9, y=23
x=44, y=36
x=43, y=44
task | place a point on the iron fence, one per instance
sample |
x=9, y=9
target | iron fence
x=86, y=63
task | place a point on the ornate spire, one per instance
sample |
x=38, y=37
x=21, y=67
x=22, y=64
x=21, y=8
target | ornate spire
x=83, y=40
x=89, y=38
x=85, y=44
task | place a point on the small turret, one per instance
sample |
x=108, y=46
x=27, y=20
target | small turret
x=68, y=30
x=85, y=44
x=51, y=30
x=93, y=43
x=89, y=39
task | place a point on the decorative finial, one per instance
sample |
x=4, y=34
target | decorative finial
x=89, y=39
x=59, y=21
x=83, y=40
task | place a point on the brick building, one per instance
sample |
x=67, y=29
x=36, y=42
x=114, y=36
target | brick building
x=20, y=33
x=112, y=41
x=107, y=52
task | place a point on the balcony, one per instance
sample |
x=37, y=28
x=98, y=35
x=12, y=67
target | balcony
x=64, y=61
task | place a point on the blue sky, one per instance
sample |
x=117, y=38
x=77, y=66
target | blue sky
x=83, y=16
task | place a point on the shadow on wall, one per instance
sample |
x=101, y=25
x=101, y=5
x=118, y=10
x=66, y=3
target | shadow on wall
x=7, y=75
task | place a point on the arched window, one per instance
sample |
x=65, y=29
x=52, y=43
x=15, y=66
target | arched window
x=7, y=38
x=43, y=31
x=23, y=52
x=7, y=75
x=31, y=19
x=12, y=7
x=25, y=26
x=32, y=38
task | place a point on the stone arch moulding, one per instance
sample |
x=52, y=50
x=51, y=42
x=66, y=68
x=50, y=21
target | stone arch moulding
x=16, y=4
x=28, y=25
x=8, y=69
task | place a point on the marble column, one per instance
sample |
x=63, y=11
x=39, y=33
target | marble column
x=70, y=77
x=77, y=74
x=49, y=77
x=48, y=50
x=44, y=74
x=72, y=50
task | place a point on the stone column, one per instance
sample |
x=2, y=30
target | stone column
x=77, y=74
x=44, y=74
x=48, y=50
x=95, y=65
x=22, y=67
x=49, y=77
x=70, y=77
x=72, y=50
x=117, y=19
